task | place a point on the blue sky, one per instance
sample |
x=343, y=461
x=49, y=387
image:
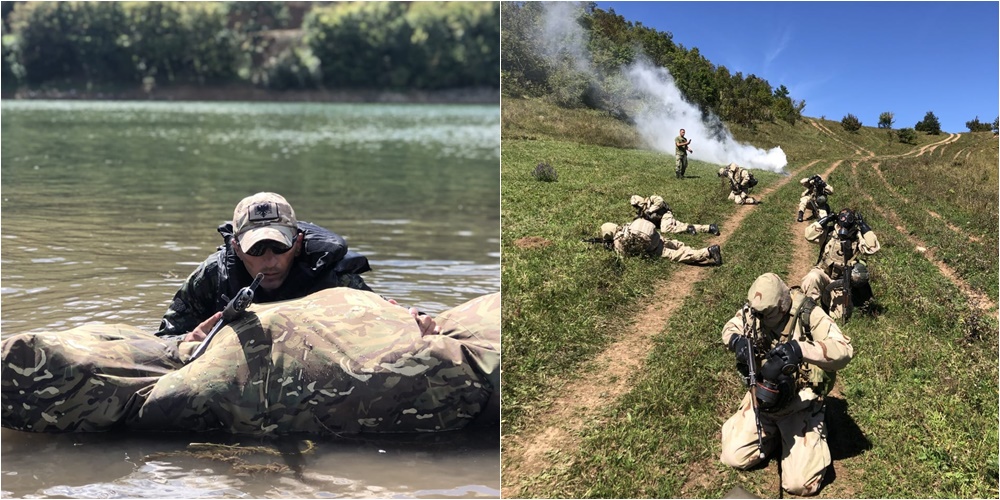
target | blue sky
x=862, y=58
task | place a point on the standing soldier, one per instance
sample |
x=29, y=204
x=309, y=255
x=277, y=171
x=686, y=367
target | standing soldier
x=816, y=192
x=741, y=181
x=640, y=237
x=655, y=210
x=787, y=350
x=838, y=257
x=681, y=154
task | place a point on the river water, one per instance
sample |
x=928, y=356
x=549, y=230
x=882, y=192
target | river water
x=106, y=207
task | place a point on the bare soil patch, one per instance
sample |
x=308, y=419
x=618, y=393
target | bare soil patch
x=530, y=242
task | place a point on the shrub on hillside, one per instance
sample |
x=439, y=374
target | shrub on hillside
x=907, y=136
x=975, y=125
x=885, y=120
x=929, y=124
x=851, y=123
x=545, y=173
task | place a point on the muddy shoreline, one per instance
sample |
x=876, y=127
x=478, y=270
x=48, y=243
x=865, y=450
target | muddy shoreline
x=251, y=94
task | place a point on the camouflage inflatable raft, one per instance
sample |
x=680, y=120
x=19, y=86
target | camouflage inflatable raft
x=338, y=361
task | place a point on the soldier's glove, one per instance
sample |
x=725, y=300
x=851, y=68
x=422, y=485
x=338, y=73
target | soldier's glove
x=738, y=344
x=826, y=220
x=862, y=225
x=784, y=359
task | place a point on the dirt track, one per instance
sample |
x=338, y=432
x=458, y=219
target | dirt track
x=554, y=438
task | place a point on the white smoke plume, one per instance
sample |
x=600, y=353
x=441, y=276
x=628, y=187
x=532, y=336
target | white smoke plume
x=652, y=98
x=663, y=112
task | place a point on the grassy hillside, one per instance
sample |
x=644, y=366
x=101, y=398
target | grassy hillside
x=914, y=414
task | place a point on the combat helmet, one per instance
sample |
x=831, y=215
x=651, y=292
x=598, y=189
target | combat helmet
x=608, y=231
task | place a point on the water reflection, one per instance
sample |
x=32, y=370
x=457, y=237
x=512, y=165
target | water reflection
x=463, y=464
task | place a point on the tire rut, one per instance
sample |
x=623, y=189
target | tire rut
x=976, y=299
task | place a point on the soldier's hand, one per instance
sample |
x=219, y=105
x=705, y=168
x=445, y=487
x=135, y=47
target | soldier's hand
x=426, y=323
x=739, y=345
x=202, y=330
x=862, y=225
x=826, y=220
x=782, y=359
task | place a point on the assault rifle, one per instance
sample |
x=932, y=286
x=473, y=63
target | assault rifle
x=749, y=333
x=607, y=243
x=233, y=311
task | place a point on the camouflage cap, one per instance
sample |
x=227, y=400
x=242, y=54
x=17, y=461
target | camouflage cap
x=608, y=230
x=636, y=200
x=722, y=171
x=264, y=216
x=769, y=296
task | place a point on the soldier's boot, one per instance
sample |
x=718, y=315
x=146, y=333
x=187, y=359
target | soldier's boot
x=691, y=229
x=800, y=216
x=714, y=229
x=716, y=253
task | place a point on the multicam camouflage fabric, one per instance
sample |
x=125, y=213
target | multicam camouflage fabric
x=338, y=361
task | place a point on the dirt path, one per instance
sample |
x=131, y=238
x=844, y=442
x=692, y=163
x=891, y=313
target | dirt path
x=554, y=439
x=804, y=253
x=555, y=436
x=927, y=147
x=975, y=298
x=858, y=150
x=957, y=230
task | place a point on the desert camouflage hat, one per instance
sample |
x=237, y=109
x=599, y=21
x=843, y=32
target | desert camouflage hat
x=608, y=230
x=769, y=296
x=264, y=216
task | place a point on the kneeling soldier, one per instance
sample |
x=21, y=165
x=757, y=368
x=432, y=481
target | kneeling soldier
x=788, y=351
x=839, y=261
x=814, y=197
x=741, y=181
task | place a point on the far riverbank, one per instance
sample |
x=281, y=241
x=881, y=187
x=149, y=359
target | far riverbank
x=244, y=93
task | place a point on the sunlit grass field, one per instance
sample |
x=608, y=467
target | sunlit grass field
x=916, y=413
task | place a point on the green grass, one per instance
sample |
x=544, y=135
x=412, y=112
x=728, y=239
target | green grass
x=918, y=413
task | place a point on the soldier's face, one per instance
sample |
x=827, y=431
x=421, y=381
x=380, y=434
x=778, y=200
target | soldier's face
x=274, y=267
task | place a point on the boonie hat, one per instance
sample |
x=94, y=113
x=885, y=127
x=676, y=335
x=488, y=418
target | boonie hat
x=769, y=296
x=264, y=216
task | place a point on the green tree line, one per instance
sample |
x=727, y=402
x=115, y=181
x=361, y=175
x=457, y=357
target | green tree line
x=612, y=43
x=342, y=45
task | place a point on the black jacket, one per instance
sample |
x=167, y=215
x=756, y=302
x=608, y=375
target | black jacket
x=324, y=263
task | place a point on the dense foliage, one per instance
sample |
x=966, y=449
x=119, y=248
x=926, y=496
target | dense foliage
x=612, y=43
x=975, y=125
x=390, y=45
x=851, y=123
x=929, y=124
x=907, y=136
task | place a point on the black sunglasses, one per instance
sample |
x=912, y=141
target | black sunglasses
x=276, y=248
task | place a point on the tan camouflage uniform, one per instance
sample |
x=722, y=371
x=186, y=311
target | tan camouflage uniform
x=337, y=361
x=831, y=266
x=739, y=184
x=798, y=429
x=640, y=237
x=655, y=210
x=808, y=195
